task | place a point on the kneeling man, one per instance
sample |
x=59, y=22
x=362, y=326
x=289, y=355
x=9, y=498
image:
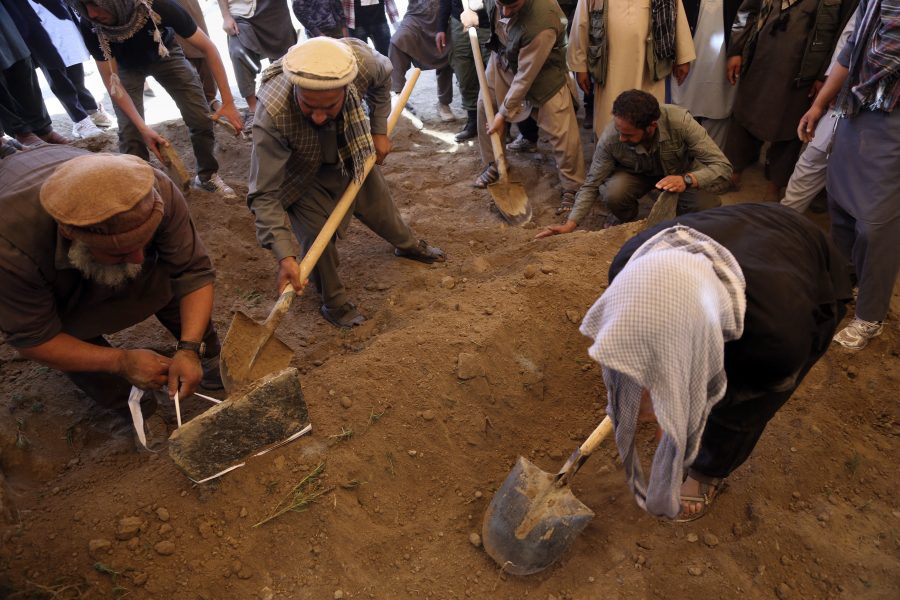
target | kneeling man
x=91, y=244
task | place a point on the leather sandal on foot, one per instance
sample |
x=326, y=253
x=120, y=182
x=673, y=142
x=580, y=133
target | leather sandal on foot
x=566, y=203
x=709, y=491
x=422, y=252
x=344, y=317
x=489, y=175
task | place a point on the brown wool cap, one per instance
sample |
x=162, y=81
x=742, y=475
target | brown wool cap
x=108, y=201
x=320, y=64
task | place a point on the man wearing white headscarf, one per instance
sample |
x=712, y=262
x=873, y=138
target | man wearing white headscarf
x=710, y=322
x=311, y=139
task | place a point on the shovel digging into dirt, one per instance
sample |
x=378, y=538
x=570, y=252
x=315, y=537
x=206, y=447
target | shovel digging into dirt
x=251, y=349
x=509, y=196
x=663, y=209
x=534, y=517
x=175, y=168
x=265, y=407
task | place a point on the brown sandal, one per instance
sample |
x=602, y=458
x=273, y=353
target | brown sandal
x=709, y=491
x=489, y=175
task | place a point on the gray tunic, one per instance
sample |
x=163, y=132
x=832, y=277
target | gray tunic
x=269, y=31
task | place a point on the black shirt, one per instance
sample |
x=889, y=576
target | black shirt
x=797, y=282
x=141, y=49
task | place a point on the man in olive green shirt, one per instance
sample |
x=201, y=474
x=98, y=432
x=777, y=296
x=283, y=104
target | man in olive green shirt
x=650, y=146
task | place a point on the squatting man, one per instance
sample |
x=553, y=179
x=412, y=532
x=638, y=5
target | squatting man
x=73, y=271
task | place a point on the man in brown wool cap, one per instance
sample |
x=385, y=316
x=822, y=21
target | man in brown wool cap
x=91, y=244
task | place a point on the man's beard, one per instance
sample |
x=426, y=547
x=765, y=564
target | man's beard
x=114, y=276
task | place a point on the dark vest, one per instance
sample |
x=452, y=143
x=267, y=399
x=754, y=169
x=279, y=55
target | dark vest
x=535, y=17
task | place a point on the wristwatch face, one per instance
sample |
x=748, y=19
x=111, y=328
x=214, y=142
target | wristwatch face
x=689, y=180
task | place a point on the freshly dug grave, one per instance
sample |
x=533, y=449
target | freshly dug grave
x=418, y=416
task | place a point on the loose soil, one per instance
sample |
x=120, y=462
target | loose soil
x=418, y=416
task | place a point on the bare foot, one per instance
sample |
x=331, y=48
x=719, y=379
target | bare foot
x=690, y=487
x=697, y=497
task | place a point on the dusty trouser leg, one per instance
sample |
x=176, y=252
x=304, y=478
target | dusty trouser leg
x=181, y=81
x=244, y=62
x=308, y=216
x=736, y=423
x=130, y=140
x=809, y=176
x=623, y=191
x=401, y=62
x=444, y=77
x=375, y=208
x=556, y=117
x=694, y=200
x=498, y=85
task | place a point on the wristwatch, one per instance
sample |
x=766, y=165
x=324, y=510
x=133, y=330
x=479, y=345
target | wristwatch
x=197, y=348
x=688, y=180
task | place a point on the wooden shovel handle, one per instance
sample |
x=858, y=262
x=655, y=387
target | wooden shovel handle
x=487, y=101
x=584, y=451
x=340, y=210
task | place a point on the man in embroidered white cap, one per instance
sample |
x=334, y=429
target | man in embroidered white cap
x=708, y=326
x=133, y=39
x=311, y=138
x=73, y=271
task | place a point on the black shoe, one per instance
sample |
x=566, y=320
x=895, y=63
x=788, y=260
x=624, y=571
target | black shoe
x=470, y=130
x=344, y=317
x=422, y=252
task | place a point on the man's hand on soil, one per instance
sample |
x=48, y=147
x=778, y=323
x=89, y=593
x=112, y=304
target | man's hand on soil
x=289, y=274
x=144, y=368
x=382, y=147
x=185, y=373
x=567, y=227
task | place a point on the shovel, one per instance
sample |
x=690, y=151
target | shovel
x=509, y=196
x=175, y=168
x=663, y=209
x=534, y=517
x=251, y=350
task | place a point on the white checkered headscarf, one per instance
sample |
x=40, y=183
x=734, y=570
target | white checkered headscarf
x=662, y=325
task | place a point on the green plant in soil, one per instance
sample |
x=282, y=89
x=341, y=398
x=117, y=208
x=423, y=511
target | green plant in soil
x=304, y=493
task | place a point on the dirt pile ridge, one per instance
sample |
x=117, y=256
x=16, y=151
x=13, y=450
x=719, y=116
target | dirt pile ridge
x=418, y=416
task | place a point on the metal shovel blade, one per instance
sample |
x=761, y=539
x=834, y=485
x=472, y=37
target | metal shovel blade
x=266, y=413
x=251, y=351
x=663, y=209
x=531, y=521
x=512, y=201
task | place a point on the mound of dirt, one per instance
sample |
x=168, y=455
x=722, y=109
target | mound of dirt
x=418, y=415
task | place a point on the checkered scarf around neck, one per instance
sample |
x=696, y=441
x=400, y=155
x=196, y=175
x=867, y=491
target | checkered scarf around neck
x=131, y=16
x=662, y=325
x=662, y=26
x=354, y=138
x=874, y=79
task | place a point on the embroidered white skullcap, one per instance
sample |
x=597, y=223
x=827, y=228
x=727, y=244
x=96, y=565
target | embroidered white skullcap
x=320, y=63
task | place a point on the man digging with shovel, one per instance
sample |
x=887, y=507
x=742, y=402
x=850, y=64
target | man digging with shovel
x=91, y=244
x=311, y=139
x=708, y=326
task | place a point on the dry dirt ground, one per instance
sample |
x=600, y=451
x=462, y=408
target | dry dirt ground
x=419, y=414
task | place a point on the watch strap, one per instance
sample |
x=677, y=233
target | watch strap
x=195, y=347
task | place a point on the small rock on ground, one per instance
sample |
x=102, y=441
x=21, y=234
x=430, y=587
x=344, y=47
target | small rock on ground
x=165, y=548
x=475, y=540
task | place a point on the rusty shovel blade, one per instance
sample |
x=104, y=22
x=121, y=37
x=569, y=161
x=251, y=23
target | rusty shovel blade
x=512, y=201
x=531, y=520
